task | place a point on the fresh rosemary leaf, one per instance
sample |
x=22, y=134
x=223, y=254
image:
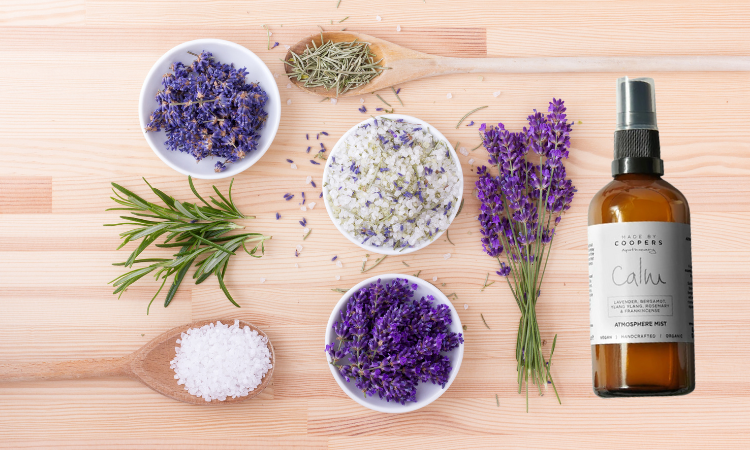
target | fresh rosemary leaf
x=176, y=284
x=195, y=192
x=220, y=276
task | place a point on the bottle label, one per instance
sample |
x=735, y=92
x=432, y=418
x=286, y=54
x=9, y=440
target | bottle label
x=640, y=283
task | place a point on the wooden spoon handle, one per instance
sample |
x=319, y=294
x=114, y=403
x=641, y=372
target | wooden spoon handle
x=616, y=64
x=65, y=370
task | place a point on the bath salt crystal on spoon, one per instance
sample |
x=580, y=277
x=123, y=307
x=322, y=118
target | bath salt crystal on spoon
x=218, y=361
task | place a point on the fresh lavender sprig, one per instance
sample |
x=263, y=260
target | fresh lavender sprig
x=520, y=208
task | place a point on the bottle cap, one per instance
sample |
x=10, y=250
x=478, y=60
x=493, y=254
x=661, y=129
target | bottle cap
x=636, y=104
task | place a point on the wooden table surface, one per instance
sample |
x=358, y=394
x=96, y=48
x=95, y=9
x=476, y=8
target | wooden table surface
x=69, y=84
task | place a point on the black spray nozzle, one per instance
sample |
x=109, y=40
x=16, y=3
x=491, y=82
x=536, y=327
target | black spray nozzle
x=636, y=104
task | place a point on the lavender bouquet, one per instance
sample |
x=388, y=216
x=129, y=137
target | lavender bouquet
x=521, y=206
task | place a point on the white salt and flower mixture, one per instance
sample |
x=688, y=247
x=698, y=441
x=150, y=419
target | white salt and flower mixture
x=392, y=184
x=217, y=361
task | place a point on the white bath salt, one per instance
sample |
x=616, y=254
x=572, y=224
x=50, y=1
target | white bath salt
x=276, y=75
x=497, y=93
x=296, y=265
x=471, y=161
x=294, y=166
x=287, y=46
x=303, y=208
x=289, y=102
x=334, y=101
x=434, y=278
x=447, y=255
x=364, y=258
x=338, y=277
x=218, y=361
x=339, y=264
x=311, y=205
x=449, y=95
x=308, y=179
x=262, y=280
x=299, y=247
x=305, y=231
x=288, y=85
x=466, y=306
x=398, y=27
x=378, y=18
x=463, y=151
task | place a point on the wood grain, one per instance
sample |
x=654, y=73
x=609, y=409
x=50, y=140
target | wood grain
x=68, y=127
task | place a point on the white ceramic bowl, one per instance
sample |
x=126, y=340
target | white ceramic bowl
x=383, y=250
x=426, y=392
x=226, y=52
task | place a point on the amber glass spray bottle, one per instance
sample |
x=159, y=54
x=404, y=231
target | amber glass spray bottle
x=640, y=268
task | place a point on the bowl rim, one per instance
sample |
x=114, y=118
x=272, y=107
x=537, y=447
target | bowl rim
x=272, y=123
x=396, y=408
x=382, y=250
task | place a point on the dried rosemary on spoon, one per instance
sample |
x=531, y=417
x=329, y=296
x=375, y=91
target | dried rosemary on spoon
x=342, y=66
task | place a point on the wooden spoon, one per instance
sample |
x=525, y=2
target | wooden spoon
x=406, y=65
x=149, y=365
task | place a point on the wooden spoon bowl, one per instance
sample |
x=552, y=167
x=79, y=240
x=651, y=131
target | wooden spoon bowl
x=389, y=54
x=149, y=364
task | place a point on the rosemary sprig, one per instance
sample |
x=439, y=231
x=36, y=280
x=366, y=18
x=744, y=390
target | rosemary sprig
x=343, y=19
x=404, y=263
x=198, y=232
x=480, y=144
x=343, y=291
x=449, y=237
x=416, y=275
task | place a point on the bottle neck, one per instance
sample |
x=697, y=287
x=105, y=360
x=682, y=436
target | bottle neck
x=637, y=177
x=637, y=151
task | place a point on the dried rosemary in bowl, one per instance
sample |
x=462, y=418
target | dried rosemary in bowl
x=342, y=66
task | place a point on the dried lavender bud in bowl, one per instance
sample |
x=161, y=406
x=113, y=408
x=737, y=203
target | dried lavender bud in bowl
x=209, y=108
x=394, y=343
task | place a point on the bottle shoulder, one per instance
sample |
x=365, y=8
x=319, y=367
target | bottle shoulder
x=634, y=198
